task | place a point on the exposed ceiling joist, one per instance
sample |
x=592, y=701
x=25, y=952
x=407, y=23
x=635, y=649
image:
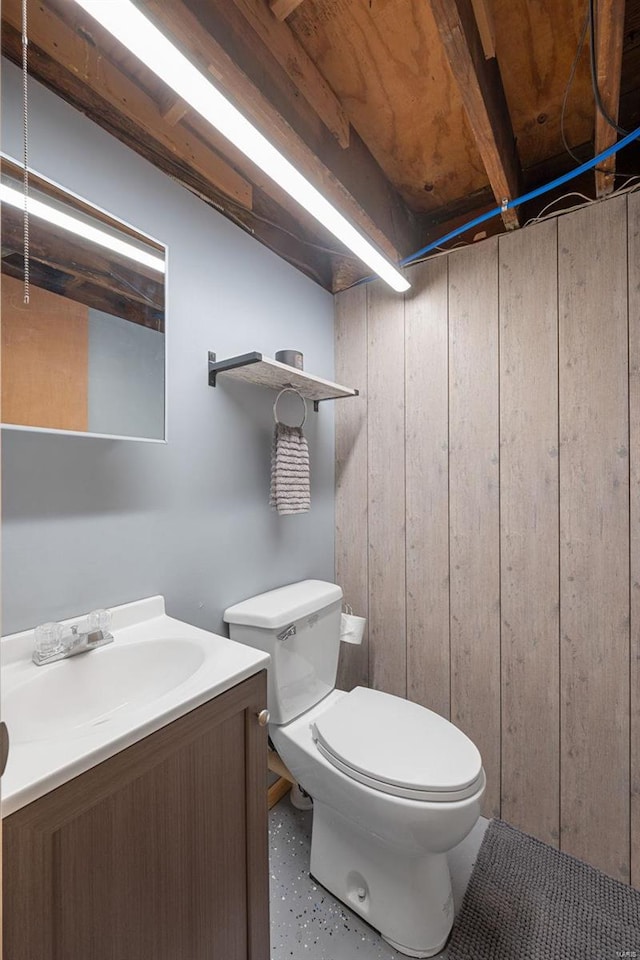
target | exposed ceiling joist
x=127, y=103
x=154, y=128
x=484, y=19
x=272, y=207
x=299, y=66
x=255, y=81
x=609, y=34
x=416, y=106
x=282, y=8
x=264, y=221
x=483, y=97
x=174, y=110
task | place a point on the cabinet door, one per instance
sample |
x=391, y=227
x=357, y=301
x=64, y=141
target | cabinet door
x=159, y=853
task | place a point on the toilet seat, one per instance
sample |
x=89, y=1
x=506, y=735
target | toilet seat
x=398, y=747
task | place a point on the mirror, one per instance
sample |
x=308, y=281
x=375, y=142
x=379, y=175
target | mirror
x=86, y=354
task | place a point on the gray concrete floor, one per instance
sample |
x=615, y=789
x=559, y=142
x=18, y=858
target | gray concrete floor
x=307, y=923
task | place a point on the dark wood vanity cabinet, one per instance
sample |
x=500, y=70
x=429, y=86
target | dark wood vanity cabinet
x=159, y=853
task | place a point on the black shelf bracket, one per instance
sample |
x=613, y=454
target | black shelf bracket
x=216, y=367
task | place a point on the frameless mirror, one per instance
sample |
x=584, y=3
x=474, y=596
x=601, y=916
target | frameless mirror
x=86, y=354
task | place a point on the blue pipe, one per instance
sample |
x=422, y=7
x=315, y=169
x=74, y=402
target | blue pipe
x=525, y=198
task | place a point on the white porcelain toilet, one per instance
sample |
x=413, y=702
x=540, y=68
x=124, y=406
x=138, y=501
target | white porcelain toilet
x=394, y=785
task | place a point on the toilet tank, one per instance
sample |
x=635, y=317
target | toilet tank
x=299, y=626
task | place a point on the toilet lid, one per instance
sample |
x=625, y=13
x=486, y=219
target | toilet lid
x=398, y=747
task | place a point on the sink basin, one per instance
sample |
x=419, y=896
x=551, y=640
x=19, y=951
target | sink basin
x=72, y=697
x=68, y=716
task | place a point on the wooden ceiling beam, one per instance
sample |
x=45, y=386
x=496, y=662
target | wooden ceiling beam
x=299, y=67
x=609, y=35
x=202, y=141
x=174, y=111
x=305, y=224
x=55, y=74
x=484, y=19
x=483, y=97
x=137, y=100
x=282, y=8
x=56, y=37
x=214, y=35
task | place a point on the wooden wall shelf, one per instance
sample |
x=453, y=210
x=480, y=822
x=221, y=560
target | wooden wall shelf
x=256, y=368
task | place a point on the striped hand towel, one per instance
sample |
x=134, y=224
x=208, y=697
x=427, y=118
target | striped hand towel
x=290, y=480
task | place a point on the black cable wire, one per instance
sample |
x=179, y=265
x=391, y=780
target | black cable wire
x=572, y=74
x=583, y=33
x=594, y=73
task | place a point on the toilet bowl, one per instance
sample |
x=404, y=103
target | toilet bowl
x=394, y=785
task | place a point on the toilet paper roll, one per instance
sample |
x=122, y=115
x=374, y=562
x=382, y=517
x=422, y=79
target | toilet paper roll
x=352, y=628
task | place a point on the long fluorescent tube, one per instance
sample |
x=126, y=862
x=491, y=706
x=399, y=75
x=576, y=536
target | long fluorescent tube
x=80, y=228
x=129, y=25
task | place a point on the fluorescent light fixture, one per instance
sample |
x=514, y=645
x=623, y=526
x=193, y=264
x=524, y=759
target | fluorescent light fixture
x=36, y=208
x=129, y=25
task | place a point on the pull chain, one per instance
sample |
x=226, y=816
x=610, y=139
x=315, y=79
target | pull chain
x=25, y=151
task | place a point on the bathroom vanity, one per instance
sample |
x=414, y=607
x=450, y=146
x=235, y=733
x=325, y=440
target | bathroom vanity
x=160, y=849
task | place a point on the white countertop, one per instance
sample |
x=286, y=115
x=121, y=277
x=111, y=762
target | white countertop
x=42, y=760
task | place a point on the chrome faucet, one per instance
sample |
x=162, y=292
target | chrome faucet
x=55, y=642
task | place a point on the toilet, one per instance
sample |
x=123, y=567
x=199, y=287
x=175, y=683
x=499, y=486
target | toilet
x=394, y=785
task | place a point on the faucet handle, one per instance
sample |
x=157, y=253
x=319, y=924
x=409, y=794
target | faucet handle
x=99, y=621
x=48, y=639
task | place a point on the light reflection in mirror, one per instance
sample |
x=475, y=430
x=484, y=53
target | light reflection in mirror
x=87, y=353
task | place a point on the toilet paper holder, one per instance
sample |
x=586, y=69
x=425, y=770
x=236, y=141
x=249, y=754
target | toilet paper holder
x=351, y=627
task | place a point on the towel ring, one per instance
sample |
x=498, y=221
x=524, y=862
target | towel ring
x=298, y=394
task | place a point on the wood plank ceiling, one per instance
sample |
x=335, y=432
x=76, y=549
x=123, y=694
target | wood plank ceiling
x=410, y=115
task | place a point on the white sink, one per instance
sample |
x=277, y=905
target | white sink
x=66, y=717
x=71, y=696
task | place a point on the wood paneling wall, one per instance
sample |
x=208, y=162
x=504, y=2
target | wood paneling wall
x=352, y=477
x=427, y=486
x=474, y=508
x=386, y=491
x=634, y=502
x=488, y=504
x=594, y=535
x=529, y=568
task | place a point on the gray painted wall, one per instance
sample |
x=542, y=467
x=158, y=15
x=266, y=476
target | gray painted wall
x=126, y=377
x=89, y=522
